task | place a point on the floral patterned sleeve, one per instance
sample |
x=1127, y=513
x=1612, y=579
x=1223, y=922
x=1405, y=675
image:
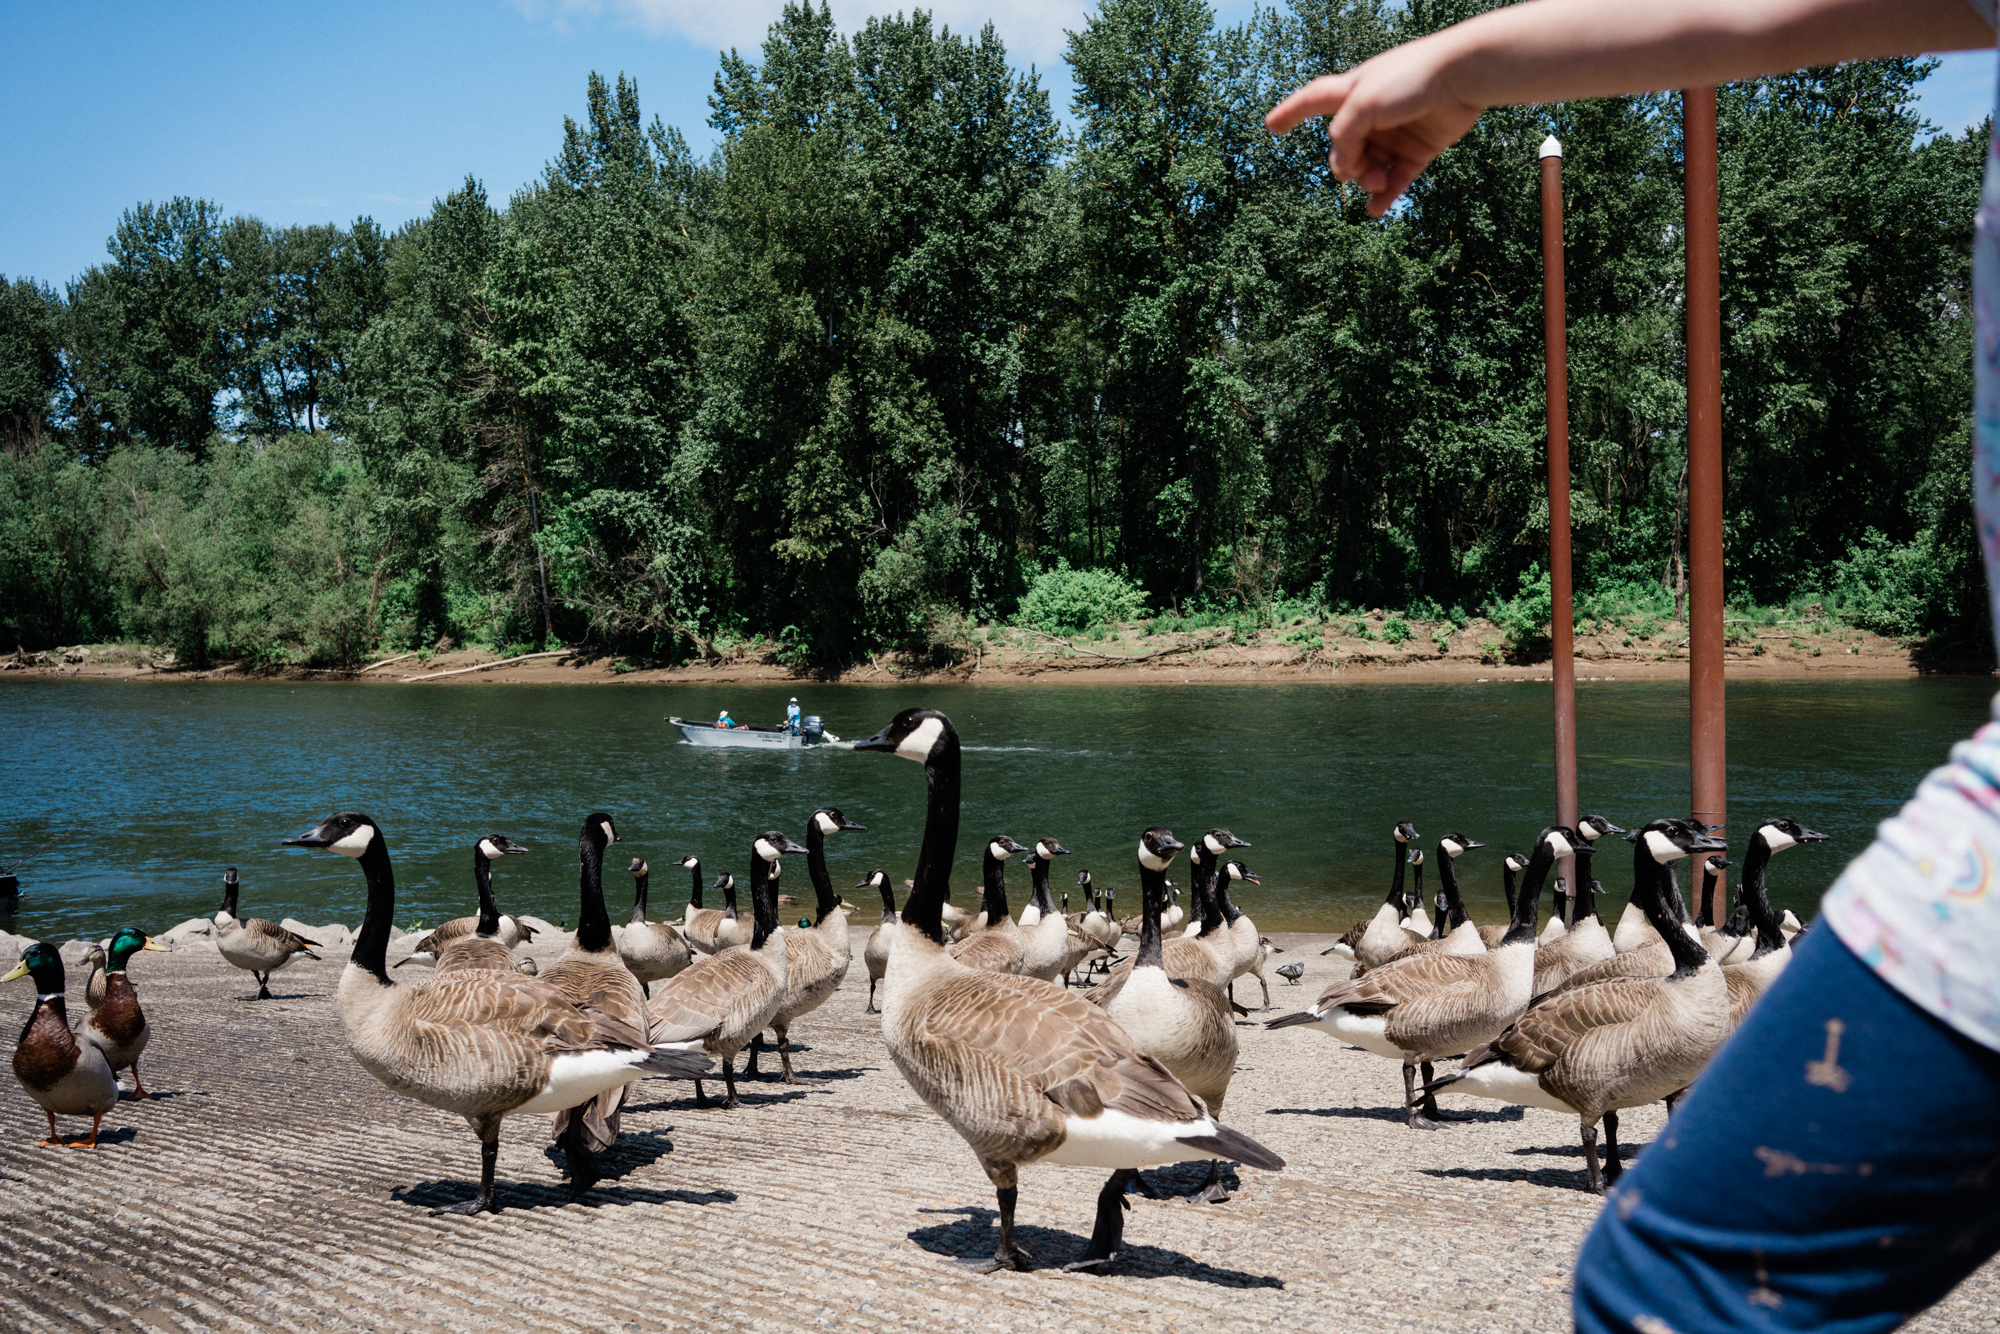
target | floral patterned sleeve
x=1920, y=906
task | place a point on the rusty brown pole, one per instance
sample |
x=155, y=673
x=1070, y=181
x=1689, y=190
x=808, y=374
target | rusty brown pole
x=1562, y=624
x=1706, y=736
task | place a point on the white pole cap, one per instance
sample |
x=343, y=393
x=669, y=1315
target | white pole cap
x=1551, y=148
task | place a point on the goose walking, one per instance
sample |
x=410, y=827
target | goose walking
x=1427, y=1007
x=1183, y=1022
x=875, y=955
x=1023, y=1070
x=1046, y=952
x=259, y=947
x=726, y=998
x=486, y=945
x=1593, y=1050
x=116, y=1025
x=66, y=1077
x=654, y=951
x=591, y=974
x=508, y=931
x=998, y=946
x=816, y=961
x=479, y=1043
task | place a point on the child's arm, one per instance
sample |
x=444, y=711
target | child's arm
x=1392, y=115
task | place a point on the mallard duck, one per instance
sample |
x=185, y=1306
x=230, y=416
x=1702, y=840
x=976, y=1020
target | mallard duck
x=117, y=1026
x=62, y=1074
x=94, y=983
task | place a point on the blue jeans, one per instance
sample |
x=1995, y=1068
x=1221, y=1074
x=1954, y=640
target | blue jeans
x=1837, y=1167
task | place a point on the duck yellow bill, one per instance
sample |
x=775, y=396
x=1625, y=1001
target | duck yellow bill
x=19, y=970
x=152, y=944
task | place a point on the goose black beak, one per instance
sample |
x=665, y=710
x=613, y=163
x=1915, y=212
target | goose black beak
x=1472, y=843
x=880, y=741
x=1253, y=877
x=848, y=824
x=1813, y=836
x=316, y=837
x=786, y=846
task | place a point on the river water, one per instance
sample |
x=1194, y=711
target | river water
x=132, y=796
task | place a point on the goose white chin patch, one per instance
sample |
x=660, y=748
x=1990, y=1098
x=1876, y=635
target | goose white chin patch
x=1451, y=847
x=1151, y=860
x=1558, y=845
x=1777, y=838
x=488, y=851
x=1663, y=848
x=766, y=851
x=356, y=843
x=923, y=738
x=610, y=834
x=826, y=824
x=997, y=853
x=1515, y=863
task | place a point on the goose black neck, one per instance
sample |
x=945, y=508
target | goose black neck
x=824, y=899
x=1230, y=912
x=924, y=907
x=482, y=877
x=1586, y=902
x=1576, y=910
x=1654, y=890
x=729, y=901
x=641, y=888
x=1448, y=873
x=888, y=905
x=994, y=871
x=1396, y=881
x=1507, y=884
x=371, y=944
x=1528, y=900
x=1204, y=872
x=593, y=923
x=1758, y=901
x=1702, y=915
x=229, y=897
x=763, y=900
x=1038, y=874
x=1153, y=902
x=694, y=891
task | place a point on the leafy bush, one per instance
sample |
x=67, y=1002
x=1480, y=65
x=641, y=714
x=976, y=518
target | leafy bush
x=1064, y=600
x=1396, y=630
x=1906, y=590
x=1526, y=617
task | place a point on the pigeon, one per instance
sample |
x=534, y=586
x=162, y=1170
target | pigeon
x=1292, y=972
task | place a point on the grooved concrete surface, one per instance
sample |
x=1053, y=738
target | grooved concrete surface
x=274, y=1185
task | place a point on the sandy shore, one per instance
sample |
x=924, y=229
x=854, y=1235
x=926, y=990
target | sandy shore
x=1131, y=657
x=274, y=1185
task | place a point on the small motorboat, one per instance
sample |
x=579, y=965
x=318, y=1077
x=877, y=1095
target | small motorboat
x=812, y=732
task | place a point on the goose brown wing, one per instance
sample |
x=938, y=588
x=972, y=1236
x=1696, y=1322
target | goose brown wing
x=990, y=951
x=703, y=998
x=473, y=953
x=1650, y=961
x=292, y=941
x=456, y=929
x=1380, y=990
x=1552, y=1025
x=490, y=1010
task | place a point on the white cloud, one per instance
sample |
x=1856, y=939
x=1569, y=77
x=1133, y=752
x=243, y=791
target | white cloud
x=1032, y=29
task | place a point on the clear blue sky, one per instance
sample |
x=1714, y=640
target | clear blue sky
x=313, y=112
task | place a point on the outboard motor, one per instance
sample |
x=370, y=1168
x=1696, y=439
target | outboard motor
x=812, y=729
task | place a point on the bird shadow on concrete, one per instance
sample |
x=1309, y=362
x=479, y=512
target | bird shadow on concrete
x=1396, y=1114
x=1527, y=1176
x=121, y=1135
x=635, y=1149
x=974, y=1235
x=515, y=1195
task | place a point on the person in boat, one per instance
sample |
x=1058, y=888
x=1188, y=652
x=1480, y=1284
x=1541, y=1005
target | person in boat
x=724, y=722
x=792, y=716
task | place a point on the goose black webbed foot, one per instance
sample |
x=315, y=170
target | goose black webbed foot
x=582, y=1163
x=1145, y=1187
x=1107, y=1238
x=1212, y=1190
x=478, y=1204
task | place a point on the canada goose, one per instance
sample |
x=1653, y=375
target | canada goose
x=1046, y=951
x=1205, y=857
x=958, y=923
x=727, y=998
x=1292, y=972
x=698, y=924
x=95, y=983
x=1252, y=949
x=1382, y=937
x=485, y=946
x=1736, y=939
x=816, y=960
x=508, y=931
x=1453, y=932
x=1101, y=922
x=1749, y=980
x=1510, y=866
x=116, y=1025
x=480, y=1043
x=876, y=952
x=1183, y=1022
x=1023, y=1070
x=1594, y=1050
x=1585, y=943
x=66, y=1077
x=527, y=967
x=999, y=946
x=1171, y=918
x=1429, y=1006
x=1209, y=955
x=654, y=951
x=591, y=974
x=253, y=944
x=1082, y=946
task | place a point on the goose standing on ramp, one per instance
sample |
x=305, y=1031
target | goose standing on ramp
x=486, y=945
x=1510, y=866
x=876, y=954
x=67, y=1077
x=998, y=946
x=591, y=974
x=1592, y=1050
x=654, y=951
x=1427, y=1007
x=117, y=1026
x=816, y=961
x=1046, y=953
x=259, y=947
x=508, y=931
x=1023, y=1070
x=1382, y=937
x=479, y=1043
x=727, y=998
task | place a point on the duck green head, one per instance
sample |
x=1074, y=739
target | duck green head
x=42, y=962
x=128, y=942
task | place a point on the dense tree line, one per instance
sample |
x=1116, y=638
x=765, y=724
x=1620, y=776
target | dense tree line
x=902, y=341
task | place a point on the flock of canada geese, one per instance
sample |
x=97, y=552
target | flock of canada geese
x=976, y=1010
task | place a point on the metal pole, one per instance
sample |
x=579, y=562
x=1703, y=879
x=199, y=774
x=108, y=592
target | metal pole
x=1562, y=624
x=1706, y=735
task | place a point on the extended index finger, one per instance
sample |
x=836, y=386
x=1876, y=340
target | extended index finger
x=1322, y=97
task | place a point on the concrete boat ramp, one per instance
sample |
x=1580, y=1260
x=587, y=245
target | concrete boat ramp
x=274, y=1185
